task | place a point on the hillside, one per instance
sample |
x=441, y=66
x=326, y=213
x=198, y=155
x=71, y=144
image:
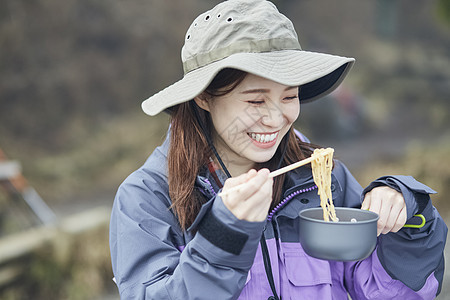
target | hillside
x=73, y=75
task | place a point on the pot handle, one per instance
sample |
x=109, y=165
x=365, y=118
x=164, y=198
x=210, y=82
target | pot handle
x=417, y=225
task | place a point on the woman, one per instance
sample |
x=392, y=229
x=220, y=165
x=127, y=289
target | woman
x=201, y=219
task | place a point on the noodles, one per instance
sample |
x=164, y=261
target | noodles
x=322, y=165
x=321, y=169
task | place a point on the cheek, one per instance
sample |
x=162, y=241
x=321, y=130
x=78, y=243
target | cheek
x=229, y=124
x=235, y=118
x=220, y=116
x=292, y=112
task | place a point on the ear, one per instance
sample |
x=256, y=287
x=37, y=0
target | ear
x=202, y=101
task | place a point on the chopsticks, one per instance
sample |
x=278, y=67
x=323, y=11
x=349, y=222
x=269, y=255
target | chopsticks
x=284, y=169
x=291, y=167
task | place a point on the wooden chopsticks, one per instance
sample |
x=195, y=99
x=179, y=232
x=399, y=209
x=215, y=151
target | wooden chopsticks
x=284, y=169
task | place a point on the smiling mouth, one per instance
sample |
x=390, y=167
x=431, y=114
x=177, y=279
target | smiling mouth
x=263, y=137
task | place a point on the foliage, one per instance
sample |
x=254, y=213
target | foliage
x=443, y=9
x=67, y=67
x=101, y=162
x=73, y=268
x=429, y=164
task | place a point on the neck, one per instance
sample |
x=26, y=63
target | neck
x=235, y=165
x=238, y=169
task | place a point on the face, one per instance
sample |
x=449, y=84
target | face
x=251, y=120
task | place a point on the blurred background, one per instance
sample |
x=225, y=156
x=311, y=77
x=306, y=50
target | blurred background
x=72, y=78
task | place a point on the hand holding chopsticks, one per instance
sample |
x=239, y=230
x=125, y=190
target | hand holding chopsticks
x=285, y=169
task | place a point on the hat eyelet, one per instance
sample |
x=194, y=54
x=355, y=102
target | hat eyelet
x=195, y=24
x=230, y=19
x=218, y=16
x=207, y=17
x=188, y=37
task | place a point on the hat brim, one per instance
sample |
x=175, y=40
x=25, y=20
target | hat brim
x=317, y=73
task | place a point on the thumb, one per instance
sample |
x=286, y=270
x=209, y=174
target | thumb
x=366, y=203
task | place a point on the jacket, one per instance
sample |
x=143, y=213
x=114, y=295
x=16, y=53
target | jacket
x=219, y=256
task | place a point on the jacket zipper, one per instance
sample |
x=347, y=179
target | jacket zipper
x=287, y=199
x=211, y=188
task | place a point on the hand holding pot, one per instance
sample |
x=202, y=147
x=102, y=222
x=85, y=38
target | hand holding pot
x=389, y=205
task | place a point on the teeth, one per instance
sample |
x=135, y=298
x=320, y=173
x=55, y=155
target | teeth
x=263, y=138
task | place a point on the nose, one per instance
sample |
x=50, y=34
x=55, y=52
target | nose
x=272, y=116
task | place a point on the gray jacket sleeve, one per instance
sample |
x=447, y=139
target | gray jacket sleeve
x=152, y=259
x=413, y=254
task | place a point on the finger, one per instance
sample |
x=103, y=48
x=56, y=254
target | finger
x=235, y=181
x=372, y=205
x=401, y=220
x=255, y=183
x=235, y=185
x=248, y=187
x=385, y=216
x=256, y=207
x=250, y=174
x=394, y=204
x=375, y=203
x=232, y=188
x=366, y=203
x=263, y=196
x=376, y=207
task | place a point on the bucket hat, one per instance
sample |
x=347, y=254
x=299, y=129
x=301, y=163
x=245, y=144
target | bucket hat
x=252, y=36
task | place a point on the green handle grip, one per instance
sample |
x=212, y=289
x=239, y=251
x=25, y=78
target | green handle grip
x=417, y=225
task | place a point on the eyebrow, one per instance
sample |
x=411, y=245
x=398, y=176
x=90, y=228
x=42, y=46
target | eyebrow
x=261, y=91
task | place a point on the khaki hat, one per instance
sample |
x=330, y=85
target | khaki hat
x=252, y=36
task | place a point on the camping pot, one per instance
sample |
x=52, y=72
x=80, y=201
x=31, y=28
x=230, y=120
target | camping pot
x=353, y=237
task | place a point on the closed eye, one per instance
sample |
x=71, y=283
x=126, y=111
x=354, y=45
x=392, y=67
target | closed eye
x=256, y=102
x=291, y=98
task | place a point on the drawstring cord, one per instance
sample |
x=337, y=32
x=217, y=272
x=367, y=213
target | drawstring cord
x=264, y=249
x=268, y=267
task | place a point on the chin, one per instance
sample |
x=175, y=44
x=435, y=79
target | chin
x=262, y=158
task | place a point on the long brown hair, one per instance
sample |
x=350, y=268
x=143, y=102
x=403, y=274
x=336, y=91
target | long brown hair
x=189, y=150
